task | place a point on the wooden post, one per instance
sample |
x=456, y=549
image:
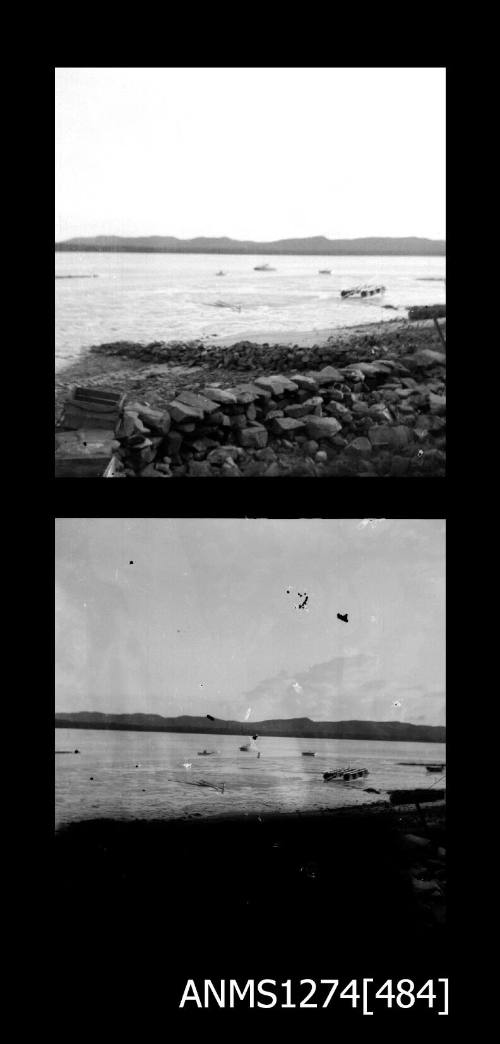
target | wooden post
x=440, y=332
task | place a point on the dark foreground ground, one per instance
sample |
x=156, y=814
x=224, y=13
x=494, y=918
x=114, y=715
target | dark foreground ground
x=145, y=905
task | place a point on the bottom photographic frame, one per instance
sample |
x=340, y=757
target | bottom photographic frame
x=250, y=764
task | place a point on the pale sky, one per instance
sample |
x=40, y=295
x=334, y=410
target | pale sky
x=250, y=153
x=196, y=616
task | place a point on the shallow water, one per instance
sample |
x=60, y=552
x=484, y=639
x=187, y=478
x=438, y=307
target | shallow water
x=146, y=297
x=142, y=774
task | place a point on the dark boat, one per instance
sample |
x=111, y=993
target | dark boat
x=308, y=753
x=344, y=775
x=435, y=767
x=201, y=752
x=365, y=290
x=264, y=268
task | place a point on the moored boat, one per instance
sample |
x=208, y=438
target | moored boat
x=308, y=753
x=365, y=290
x=436, y=767
x=345, y=775
x=264, y=268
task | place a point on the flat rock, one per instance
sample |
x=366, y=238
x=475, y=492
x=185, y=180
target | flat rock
x=322, y=427
x=245, y=396
x=301, y=409
x=277, y=385
x=425, y=358
x=258, y=393
x=180, y=412
x=328, y=375
x=198, y=402
x=304, y=382
x=220, y=395
x=287, y=425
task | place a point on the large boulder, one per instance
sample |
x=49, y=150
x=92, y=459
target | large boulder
x=156, y=420
x=322, y=427
x=380, y=435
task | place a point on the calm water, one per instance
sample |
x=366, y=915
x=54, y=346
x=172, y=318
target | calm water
x=280, y=779
x=146, y=297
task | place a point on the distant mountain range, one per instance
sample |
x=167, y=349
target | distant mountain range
x=298, y=727
x=411, y=245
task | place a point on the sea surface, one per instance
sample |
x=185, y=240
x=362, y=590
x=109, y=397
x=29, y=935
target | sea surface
x=147, y=297
x=150, y=775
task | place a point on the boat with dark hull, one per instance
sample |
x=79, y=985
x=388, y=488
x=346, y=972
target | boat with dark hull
x=366, y=290
x=345, y=775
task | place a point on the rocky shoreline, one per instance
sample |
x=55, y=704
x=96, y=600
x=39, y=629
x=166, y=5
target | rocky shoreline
x=367, y=401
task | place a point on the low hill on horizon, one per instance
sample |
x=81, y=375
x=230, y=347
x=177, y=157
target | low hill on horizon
x=293, y=727
x=404, y=246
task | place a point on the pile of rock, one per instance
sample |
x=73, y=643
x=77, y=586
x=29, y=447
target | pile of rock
x=248, y=356
x=368, y=418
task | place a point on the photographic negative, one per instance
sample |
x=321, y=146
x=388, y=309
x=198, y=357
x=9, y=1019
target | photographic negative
x=257, y=787
x=250, y=273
